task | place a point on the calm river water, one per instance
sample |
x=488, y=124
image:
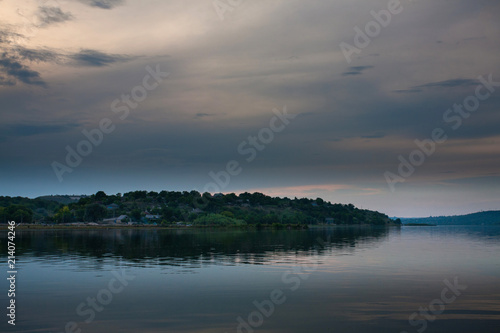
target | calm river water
x=338, y=279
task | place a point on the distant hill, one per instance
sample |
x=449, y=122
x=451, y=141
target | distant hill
x=62, y=199
x=482, y=218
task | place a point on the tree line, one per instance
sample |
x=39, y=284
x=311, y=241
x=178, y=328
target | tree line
x=194, y=208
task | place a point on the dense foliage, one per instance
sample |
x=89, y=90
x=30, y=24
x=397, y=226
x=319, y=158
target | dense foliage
x=194, y=208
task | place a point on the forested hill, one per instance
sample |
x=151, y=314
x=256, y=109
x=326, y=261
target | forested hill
x=191, y=208
x=482, y=218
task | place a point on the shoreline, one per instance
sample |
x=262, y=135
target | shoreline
x=175, y=227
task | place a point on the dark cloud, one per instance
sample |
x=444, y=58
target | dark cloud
x=450, y=83
x=356, y=70
x=104, y=4
x=13, y=59
x=360, y=68
x=51, y=15
x=95, y=58
x=350, y=73
x=37, y=55
x=203, y=115
x=406, y=91
x=13, y=56
x=13, y=68
x=6, y=36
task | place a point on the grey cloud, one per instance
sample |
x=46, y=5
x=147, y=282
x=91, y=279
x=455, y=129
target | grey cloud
x=12, y=67
x=405, y=91
x=37, y=55
x=4, y=35
x=103, y=4
x=203, y=115
x=95, y=58
x=360, y=68
x=12, y=64
x=450, y=83
x=356, y=70
x=6, y=82
x=51, y=15
x=13, y=57
x=350, y=73
x=7, y=35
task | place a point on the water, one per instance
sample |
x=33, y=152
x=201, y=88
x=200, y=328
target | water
x=338, y=279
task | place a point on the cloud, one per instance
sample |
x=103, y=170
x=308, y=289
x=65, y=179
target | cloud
x=12, y=67
x=37, y=55
x=356, y=70
x=95, y=58
x=6, y=36
x=51, y=15
x=13, y=58
x=13, y=55
x=405, y=91
x=350, y=73
x=103, y=4
x=360, y=68
x=203, y=115
x=12, y=63
x=450, y=83
x=6, y=81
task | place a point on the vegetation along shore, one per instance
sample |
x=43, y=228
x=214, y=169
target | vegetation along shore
x=184, y=209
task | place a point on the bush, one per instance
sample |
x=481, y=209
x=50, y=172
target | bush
x=218, y=220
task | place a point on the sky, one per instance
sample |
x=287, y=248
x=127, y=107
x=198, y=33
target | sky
x=388, y=105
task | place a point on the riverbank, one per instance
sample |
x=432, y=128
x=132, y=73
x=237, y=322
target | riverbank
x=82, y=226
x=94, y=226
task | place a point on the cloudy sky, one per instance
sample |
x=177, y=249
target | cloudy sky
x=302, y=98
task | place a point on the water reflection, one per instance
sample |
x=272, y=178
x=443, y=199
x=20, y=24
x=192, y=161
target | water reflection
x=190, y=247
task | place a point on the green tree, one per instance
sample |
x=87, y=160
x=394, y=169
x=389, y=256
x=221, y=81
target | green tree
x=18, y=213
x=227, y=214
x=63, y=215
x=3, y=215
x=95, y=212
x=100, y=196
x=136, y=214
x=218, y=220
x=23, y=215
